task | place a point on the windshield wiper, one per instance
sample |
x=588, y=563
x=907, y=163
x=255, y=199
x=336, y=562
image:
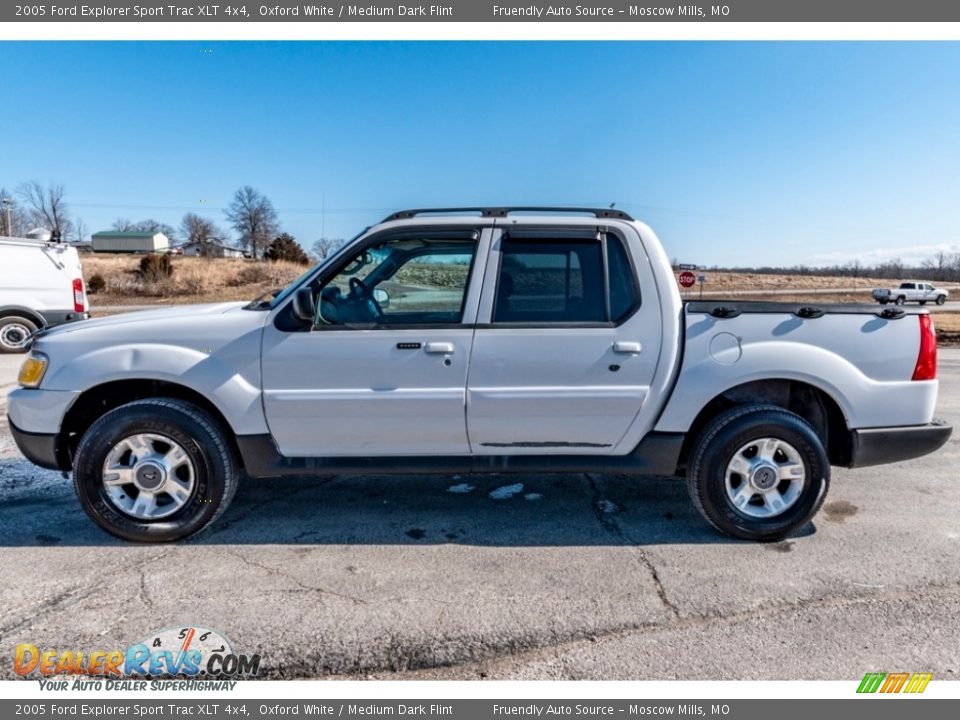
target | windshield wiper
x=262, y=302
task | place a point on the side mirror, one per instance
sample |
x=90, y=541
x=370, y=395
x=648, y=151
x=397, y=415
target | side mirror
x=304, y=308
x=382, y=297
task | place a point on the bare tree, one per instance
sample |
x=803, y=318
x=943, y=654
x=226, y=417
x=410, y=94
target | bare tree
x=80, y=231
x=150, y=225
x=197, y=229
x=46, y=206
x=254, y=218
x=18, y=218
x=325, y=247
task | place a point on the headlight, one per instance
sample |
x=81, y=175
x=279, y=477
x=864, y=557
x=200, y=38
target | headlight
x=32, y=370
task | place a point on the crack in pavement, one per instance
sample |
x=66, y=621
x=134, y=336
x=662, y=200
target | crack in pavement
x=282, y=573
x=75, y=594
x=226, y=522
x=144, y=595
x=557, y=650
x=610, y=524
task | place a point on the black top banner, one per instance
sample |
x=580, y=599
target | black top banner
x=486, y=11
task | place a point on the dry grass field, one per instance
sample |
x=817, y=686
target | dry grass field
x=200, y=280
x=719, y=282
x=194, y=280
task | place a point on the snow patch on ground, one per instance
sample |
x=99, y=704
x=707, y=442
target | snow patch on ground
x=532, y=496
x=607, y=506
x=506, y=492
x=461, y=488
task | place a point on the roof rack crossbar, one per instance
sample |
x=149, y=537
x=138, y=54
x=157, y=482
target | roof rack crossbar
x=500, y=212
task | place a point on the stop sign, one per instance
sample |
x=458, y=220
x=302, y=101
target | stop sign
x=687, y=279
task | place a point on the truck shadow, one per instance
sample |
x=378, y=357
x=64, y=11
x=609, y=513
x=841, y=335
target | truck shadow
x=496, y=511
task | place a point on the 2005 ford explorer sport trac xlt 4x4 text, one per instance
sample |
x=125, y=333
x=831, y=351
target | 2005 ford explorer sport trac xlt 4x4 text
x=485, y=339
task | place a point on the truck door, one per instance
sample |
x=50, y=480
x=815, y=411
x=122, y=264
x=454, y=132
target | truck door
x=383, y=371
x=567, y=341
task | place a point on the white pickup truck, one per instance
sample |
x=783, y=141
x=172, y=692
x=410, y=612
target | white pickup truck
x=473, y=340
x=911, y=291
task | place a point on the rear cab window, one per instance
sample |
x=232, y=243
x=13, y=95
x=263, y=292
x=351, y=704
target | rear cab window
x=557, y=279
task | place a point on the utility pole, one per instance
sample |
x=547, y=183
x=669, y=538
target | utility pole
x=7, y=217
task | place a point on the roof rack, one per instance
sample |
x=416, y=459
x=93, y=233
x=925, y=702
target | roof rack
x=500, y=212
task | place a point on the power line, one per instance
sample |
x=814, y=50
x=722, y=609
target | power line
x=319, y=210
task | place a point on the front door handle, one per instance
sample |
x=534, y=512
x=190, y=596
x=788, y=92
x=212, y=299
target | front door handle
x=622, y=346
x=438, y=347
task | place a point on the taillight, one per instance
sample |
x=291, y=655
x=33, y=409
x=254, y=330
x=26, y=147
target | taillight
x=79, y=299
x=926, y=367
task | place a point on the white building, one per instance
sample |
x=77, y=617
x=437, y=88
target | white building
x=211, y=248
x=118, y=241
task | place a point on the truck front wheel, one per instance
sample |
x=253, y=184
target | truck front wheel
x=155, y=470
x=758, y=472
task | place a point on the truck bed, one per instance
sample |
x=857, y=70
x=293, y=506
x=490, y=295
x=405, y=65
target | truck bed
x=863, y=356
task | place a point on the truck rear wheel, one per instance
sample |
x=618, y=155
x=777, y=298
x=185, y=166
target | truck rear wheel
x=155, y=470
x=14, y=331
x=758, y=472
x=901, y=300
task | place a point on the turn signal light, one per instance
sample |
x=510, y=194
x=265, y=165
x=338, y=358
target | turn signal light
x=32, y=370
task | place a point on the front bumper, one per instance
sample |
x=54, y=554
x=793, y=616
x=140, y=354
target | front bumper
x=878, y=446
x=39, y=448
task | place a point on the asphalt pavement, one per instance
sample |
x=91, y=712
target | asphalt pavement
x=567, y=577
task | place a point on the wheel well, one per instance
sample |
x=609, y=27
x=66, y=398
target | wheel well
x=99, y=400
x=809, y=402
x=24, y=313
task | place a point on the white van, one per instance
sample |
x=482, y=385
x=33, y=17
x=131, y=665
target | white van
x=41, y=285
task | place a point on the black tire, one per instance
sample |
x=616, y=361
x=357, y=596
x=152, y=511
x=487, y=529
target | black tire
x=14, y=330
x=716, y=446
x=941, y=299
x=203, y=439
x=901, y=300
x=922, y=302
x=883, y=301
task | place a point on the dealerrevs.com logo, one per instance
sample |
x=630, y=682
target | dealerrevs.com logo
x=183, y=652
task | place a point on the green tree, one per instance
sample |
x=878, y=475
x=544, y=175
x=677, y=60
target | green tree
x=285, y=247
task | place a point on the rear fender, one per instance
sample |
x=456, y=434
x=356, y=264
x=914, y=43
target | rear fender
x=863, y=401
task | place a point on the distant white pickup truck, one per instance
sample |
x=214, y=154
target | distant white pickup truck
x=490, y=340
x=911, y=291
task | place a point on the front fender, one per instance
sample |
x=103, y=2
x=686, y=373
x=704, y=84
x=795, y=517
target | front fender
x=234, y=388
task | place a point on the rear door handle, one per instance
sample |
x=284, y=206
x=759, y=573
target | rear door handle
x=438, y=347
x=622, y=346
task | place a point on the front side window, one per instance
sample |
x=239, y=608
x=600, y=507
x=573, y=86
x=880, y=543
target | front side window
x=564, y=281
x=409, y=281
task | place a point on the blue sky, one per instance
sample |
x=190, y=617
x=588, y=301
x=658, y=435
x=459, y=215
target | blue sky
x=735, y=153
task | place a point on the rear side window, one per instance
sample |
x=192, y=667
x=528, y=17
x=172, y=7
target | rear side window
x=547, y=281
